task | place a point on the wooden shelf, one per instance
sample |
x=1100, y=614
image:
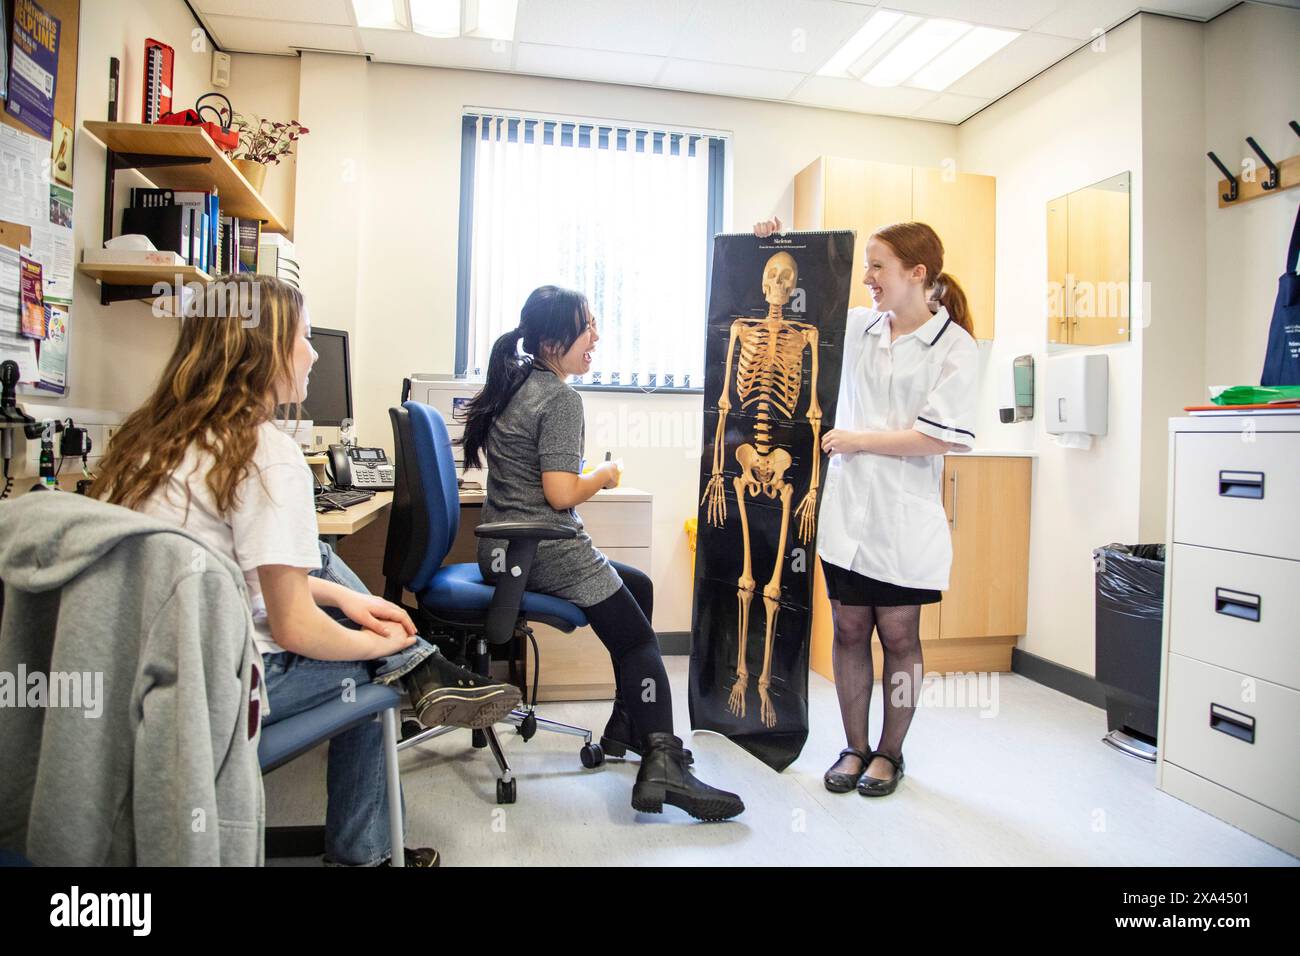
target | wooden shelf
x=238, y=197
x=135, y=274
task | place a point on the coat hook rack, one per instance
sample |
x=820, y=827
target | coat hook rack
x=1281, y=176
x=1231, y=194
x=1270, y=183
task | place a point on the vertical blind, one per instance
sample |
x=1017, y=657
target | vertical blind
x=618, y=212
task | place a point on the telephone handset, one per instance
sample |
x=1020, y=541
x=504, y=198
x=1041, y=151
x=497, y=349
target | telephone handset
x=365, y=468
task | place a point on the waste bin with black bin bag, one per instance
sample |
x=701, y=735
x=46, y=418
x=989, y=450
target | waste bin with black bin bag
x=1130, y=610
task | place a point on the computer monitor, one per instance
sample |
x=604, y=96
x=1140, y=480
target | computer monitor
x=329, y=388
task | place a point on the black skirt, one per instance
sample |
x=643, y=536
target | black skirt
x=858, y=590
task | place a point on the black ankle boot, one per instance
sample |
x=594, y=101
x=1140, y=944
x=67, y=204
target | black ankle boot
x=665, y=777
x=619, y=736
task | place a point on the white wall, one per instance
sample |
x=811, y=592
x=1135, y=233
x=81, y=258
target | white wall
x=1076, y=124
x=1252, y=75
x=401, y=249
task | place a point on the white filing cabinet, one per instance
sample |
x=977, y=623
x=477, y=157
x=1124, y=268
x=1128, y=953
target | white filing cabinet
x=1230, y=674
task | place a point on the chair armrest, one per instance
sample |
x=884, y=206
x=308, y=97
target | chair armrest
x=524, y=531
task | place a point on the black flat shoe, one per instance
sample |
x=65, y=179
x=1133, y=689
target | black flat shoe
x=839, y=782
x=873, y=786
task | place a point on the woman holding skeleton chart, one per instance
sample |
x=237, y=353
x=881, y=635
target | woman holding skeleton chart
x=907, y=397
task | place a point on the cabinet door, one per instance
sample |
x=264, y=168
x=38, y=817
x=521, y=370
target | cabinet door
x=962, y=209
x=1099, y=266
x=987, y=501
x=1058, y=283
x=864, y=196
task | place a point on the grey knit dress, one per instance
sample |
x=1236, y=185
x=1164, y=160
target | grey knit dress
x=542, y=429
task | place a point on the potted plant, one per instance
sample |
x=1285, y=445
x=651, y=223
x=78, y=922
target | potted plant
x=263, y=143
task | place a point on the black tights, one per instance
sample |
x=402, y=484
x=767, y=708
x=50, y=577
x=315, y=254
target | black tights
x=900, y=637
x=622, y=622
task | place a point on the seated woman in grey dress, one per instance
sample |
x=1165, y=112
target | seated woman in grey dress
x=529, y=425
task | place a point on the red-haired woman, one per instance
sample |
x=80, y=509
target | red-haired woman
x=907, y=397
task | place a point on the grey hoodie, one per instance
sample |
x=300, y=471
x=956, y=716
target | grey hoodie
x=159, y=767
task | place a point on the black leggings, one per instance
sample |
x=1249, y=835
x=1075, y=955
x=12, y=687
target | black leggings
x=622, y=622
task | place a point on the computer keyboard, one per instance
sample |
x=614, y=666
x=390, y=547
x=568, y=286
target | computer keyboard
x=339, y=499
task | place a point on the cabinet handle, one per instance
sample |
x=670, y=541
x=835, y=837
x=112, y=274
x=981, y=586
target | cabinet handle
x=1241, y=484
x=1236, y=604
x=953, y=522
x=1232, y=722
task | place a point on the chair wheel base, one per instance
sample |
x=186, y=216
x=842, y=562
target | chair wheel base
x=592, y=755
x=527, y=727
x=505, y=791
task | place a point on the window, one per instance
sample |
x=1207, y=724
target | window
x=622, y=213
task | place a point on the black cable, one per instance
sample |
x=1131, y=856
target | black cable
x=9, y=482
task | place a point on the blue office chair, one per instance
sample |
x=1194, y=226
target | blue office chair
x=454, y=600
x=292, y=737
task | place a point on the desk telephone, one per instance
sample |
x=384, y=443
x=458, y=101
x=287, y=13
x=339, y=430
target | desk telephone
x=364, y=468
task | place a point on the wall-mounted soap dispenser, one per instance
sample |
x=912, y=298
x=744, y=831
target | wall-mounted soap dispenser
x=1017, y=403
x=1075, y=395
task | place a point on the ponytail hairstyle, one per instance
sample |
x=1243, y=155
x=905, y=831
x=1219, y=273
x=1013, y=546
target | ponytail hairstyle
x=549, y=323
x=915, y=244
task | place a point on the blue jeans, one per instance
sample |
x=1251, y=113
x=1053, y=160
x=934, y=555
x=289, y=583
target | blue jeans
x=356, y=816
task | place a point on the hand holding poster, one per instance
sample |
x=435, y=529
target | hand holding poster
x=777, y=309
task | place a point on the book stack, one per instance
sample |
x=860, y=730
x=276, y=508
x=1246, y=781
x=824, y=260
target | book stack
x=276, y=257
x=189, y=223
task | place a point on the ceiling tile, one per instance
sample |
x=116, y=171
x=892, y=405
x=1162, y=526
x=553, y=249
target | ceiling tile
x=338, y=12
x=858, y=96
x=798, y=35
x=1012, y=14
x=1025, y=56
x=598, y=65
x=627, y=26
x=1078, y=20
x=951, y=108
x=243, y=35
x=725, y=80
x=463, y=53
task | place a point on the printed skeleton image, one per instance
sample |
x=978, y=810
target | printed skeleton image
x=769, y=375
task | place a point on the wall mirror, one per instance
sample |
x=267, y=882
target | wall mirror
x=1088, y=240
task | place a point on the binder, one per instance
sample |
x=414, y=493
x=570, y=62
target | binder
x=168, y=227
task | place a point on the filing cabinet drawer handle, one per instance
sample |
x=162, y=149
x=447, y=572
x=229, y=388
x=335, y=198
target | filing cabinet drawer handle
x=1236, y=604
x=1241, y=484
x=1232, y=723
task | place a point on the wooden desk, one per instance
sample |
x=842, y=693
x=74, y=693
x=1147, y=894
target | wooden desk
x=353, y=519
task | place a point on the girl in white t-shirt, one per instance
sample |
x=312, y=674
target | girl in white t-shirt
x=907, y=397
x=203, y=453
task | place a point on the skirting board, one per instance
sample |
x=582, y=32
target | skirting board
x=1067, y=680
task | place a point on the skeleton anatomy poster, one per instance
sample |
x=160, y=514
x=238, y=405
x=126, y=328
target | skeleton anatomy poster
x=777, y=309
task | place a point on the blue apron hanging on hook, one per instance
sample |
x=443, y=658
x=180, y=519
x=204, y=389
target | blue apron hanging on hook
x=1282, y=360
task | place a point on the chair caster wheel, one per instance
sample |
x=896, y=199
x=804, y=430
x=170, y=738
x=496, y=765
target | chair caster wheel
x=528, y=726
x=505, y=791
x=592, y=756
x=478, y=739
x=411, y=727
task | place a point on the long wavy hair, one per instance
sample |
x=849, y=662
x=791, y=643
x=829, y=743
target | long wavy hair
x=550, y=322
x=915, y=244
x=218, y=387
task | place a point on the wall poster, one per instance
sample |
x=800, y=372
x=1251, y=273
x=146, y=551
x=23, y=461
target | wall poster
x=777, y=310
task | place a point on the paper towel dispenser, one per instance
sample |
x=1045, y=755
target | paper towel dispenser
x=1075, y=395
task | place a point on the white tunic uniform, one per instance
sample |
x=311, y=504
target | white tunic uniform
x=882, y=515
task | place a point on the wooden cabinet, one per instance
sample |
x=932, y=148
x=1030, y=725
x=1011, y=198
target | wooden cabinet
x=838, y=193
x=1088, y=246
x=987, y=501
x=985, y=608
x=962, y=209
